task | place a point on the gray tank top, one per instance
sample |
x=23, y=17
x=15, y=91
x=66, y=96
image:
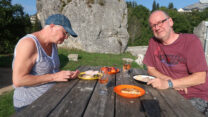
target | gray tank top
x=44, y=64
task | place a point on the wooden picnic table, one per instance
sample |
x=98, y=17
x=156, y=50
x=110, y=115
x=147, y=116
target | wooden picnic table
x=81, y=98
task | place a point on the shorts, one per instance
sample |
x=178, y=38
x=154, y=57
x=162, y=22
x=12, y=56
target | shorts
x=201, y=105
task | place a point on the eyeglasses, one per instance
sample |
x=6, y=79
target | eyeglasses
x=160, y=23
x=66, y=34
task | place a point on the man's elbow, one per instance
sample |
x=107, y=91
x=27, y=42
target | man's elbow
x=203, y=78
x=16, y=83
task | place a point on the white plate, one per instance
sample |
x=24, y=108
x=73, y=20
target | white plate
x=143, y=78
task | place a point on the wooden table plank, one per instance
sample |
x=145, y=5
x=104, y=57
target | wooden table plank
x=153, y=104
x=166, y=110
x=78, y=97
x=44, y=105
x=153, y=94
x=171, y=103
x=126, y=107
x=180, y=105
x=102, y=105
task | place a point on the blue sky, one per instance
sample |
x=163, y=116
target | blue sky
x=30, y=5
x=177, y=3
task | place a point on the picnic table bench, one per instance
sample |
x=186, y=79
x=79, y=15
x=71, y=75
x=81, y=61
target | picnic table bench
x=81, y=98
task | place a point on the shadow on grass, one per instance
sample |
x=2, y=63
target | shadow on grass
x=63, y=60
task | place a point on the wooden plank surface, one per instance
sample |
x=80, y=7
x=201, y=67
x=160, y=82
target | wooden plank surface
x=75, y=102
x=43, y=106
x=78, y=98
x=171, y=103
x=126, y=107
x=102, y=105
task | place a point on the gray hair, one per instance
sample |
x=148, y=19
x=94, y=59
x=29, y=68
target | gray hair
x=165, y=13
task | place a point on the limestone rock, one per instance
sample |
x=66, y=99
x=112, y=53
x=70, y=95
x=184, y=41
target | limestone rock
x=128, y=60
x=200, y=31
x=101, y=25
x=73, y=57
x=140, y=59
x=136, y=50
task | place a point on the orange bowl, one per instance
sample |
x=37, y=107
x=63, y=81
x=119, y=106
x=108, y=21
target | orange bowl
x=113, y=71
x=118, y=89
x=104, y=68
x=110, y=70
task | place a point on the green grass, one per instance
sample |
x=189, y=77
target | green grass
x=85, y=58
x=6, y=104
x=93, y=59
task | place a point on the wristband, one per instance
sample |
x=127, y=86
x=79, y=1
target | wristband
x=170, y=84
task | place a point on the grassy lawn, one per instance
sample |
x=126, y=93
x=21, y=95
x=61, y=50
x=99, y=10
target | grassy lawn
x=6, y=106
x=93, y=59
x=85, y=58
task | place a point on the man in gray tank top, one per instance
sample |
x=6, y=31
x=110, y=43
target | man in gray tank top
x=36, y=62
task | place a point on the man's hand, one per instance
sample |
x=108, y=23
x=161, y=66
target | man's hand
x=75, y=74
x=182, y=89
x=65, y=75
x=158, y=83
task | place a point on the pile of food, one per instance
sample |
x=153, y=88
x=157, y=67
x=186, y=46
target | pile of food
x=130, y=91
x=90, y=74
x=142, y=78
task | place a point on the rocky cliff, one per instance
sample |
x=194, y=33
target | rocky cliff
x=101, y=25
x=200, y=31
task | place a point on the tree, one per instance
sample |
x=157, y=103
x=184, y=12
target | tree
x=204, y=14
x=138, y=26
x=14, y=23
x=158, y=6
x=181, y=22
x=154, y=6
x=170, y=6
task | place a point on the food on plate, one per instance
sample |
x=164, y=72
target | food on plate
x=142, y=78
x=86, y=76
x=90, y=74
x=130, y=91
